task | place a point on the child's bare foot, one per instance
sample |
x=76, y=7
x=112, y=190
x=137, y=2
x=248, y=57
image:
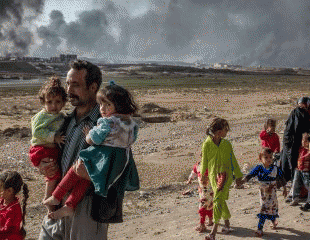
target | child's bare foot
x=65, y=211
x=210, y=237
x=201, y=228
x=274, y=224
x=51, y=201
x=259, y=233
x=187, y=192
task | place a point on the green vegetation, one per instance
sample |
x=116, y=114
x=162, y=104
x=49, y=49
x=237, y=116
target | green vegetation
x=218, y=82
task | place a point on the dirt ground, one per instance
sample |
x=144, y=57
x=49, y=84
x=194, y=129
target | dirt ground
x=168, y=145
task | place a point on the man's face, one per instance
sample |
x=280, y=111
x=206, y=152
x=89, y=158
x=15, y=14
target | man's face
x=78, y=93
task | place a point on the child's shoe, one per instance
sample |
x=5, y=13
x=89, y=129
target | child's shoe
x=305, y=207
x=294, y=202
x=201, y=228
x=259, y=233
x=289, y=199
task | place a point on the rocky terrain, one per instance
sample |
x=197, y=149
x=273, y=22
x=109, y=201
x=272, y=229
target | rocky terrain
x=173, y=123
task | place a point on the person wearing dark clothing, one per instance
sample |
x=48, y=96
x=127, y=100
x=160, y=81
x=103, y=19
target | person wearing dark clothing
x=296, y=124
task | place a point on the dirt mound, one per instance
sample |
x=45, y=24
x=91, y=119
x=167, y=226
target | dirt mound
x=153, y=108
x=18, y=132
x=156, y=119
x=18, y=67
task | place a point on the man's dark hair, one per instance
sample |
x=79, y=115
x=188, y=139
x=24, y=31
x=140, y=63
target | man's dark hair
x=93, y=73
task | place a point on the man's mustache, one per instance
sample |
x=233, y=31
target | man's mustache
x=73, y=96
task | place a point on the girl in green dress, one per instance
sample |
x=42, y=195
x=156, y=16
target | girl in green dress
x=219, y=159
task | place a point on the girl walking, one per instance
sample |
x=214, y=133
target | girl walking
x=109, y=158
x=270, y=178
x=12, y=215
x=219, y=159
x=205, y=195
x=269, y=137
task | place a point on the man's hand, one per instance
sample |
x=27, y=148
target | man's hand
x=48, y=167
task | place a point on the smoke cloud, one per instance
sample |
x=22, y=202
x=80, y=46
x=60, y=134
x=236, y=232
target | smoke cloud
x=253, y=32
x=14, y=17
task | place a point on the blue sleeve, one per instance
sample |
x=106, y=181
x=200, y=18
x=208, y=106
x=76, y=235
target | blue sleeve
x=254, y=172
x=99, y=133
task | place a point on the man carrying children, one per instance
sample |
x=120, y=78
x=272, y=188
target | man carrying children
x=83, y=82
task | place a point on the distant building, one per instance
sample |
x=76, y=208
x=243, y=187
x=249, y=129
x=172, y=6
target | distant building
x=67, y=57
x=33, y=59
x=55, y=59
x=225, y=66
x=220, y=65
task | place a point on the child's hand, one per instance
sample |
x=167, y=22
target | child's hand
x=221, y=179
x=86, y=129
x=239, y=183
x=60, y=139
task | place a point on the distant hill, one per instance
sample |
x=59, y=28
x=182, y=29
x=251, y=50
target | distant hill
x=18, y=67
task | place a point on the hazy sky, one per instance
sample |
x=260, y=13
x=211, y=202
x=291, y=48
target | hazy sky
x=70, y=9
x=247, y=32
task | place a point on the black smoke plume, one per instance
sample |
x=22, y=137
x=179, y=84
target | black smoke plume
x=252, y=32
x=13, y=35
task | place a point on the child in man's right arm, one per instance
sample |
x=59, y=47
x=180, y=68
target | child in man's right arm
x=45, y=126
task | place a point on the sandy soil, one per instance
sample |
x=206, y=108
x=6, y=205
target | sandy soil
x=165, y=153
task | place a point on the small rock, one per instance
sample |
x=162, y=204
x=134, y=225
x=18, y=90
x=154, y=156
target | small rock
x=144, y=194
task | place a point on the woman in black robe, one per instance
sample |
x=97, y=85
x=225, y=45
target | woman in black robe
x=296, y=124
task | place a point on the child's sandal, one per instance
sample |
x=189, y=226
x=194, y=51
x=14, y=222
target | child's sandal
x=226, y=230
x=209, y=237
x=201, y=229
x=259, y=233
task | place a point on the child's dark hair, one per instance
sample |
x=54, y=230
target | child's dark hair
x=217, y=124
x=264, y=151
x=270, y=122
x=12, y=179
x=120, y=97
x=52, y=88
